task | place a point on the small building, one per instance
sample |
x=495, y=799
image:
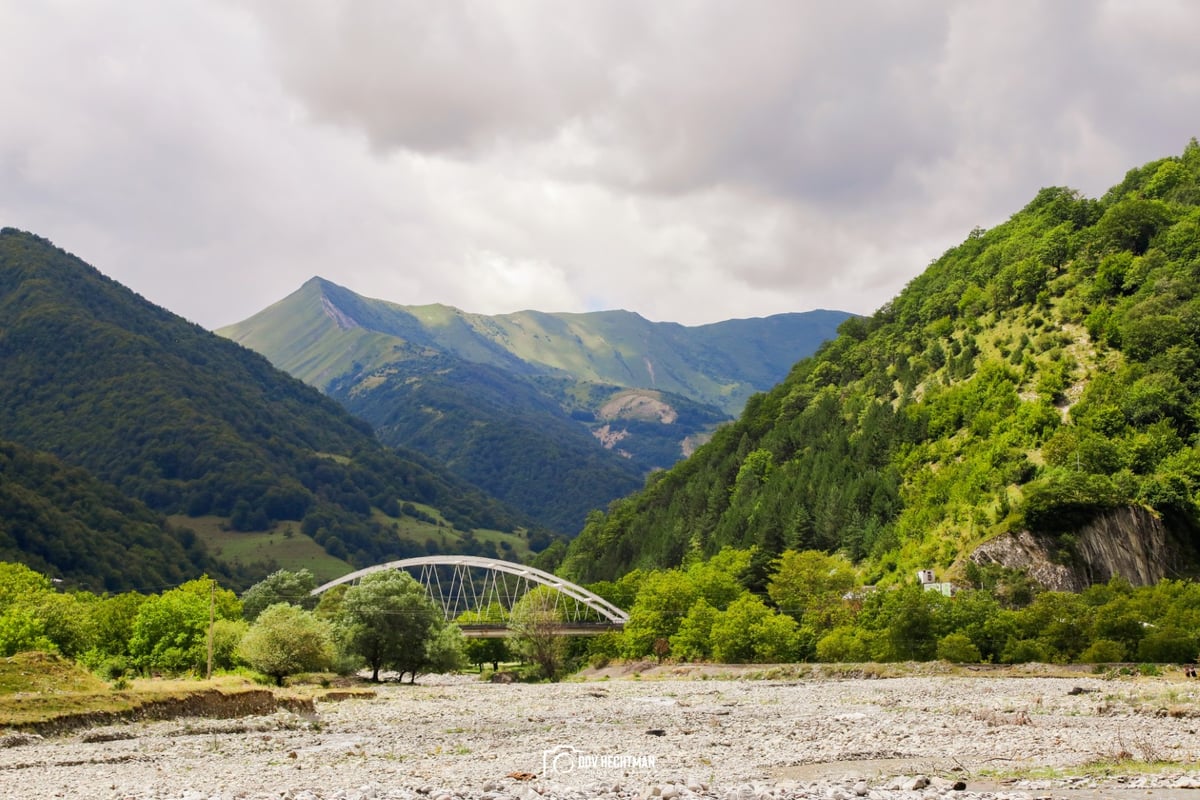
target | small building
x=930, y=583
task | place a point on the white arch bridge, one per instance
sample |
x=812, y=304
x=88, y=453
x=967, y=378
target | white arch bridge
x=490, y=588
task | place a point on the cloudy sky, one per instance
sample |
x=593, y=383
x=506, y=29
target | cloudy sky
x=691, y=160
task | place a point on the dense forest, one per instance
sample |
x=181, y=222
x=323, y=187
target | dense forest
x=495, y=430
x=1035, y=378
x=63, y=521
x=187, y=422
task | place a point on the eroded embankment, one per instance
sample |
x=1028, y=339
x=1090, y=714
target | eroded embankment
x=212, y=703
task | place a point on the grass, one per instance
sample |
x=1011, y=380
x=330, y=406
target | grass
x=41, y=687
x=48, y=693
x=44, y=673
x=417, y=532
x=285, y=544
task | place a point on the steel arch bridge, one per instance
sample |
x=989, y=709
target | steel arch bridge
x=460, y=584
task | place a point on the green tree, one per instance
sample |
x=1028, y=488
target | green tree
x=388, y=617
x=958, y=648
x=844, y=644
x=663, y=600
x=21, y=627
x=445, y=650
x=281, y=586
x=749, y=631
x=810, y=587
x=170, y=631
x=535, y=637
x=693, y=640
x=20, y=630
x=285, y=640
x=485, y=649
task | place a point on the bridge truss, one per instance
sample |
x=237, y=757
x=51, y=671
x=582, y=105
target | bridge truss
x=489, y=587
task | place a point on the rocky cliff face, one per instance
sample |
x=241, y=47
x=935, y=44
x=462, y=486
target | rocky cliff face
x=1129, y=542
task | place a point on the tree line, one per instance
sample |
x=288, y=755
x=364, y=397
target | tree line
x=384, y=623
x=813, y=608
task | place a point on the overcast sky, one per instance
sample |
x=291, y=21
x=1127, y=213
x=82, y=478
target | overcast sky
x=692, y=161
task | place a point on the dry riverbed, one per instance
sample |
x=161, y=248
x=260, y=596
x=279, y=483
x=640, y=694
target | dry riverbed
x=934, y=736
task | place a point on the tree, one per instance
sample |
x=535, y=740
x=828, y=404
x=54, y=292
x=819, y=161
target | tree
x=285, y=640
x=281, y=586
x=485, y=649
x=959, y=648
x=444, y=650
x=170, y=631
x=663, y=600
x=693, y=640
x=387, y=618
x=750, y=631
x=535, y=636
x=810, y=586
x=21, y=627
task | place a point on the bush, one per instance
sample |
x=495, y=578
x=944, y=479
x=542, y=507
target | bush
x=1103, y=651
x=958, y=648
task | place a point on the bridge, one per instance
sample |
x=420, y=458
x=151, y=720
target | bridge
x=462, y=584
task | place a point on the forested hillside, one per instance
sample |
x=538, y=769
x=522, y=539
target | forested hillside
x=188, y=422
x=1040, y=377
x=62, y=521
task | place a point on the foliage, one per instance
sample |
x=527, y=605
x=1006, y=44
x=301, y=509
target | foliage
x=286, y=640
x=183, y=421
x=533, y=622
x=282, y=586
x=1037, y=376
x=388, y=619
x=62, y=521
x=170, y=631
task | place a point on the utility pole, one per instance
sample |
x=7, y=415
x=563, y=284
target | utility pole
x=212, y=617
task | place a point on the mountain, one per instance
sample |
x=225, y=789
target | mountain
x=188, y=422
x=556, y=414
x=1028, y=402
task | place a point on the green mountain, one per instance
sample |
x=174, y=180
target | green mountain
x=1028, y=401
x=556, y=414
x=189, y=423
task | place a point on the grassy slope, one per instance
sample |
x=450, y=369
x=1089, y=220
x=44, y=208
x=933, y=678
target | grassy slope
x=720, y=364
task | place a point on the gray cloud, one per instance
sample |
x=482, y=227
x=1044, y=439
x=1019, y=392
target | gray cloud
x=690, y=160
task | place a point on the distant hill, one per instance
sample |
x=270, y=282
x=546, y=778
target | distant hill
x=1029, y=401
x=188, y=422
x=556, y=414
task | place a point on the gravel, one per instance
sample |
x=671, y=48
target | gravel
x=453, y=738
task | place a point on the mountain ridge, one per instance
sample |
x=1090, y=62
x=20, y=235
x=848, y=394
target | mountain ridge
x=556, y=401
x=188, y=422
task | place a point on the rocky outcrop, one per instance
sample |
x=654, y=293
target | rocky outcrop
x=1130, y=542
